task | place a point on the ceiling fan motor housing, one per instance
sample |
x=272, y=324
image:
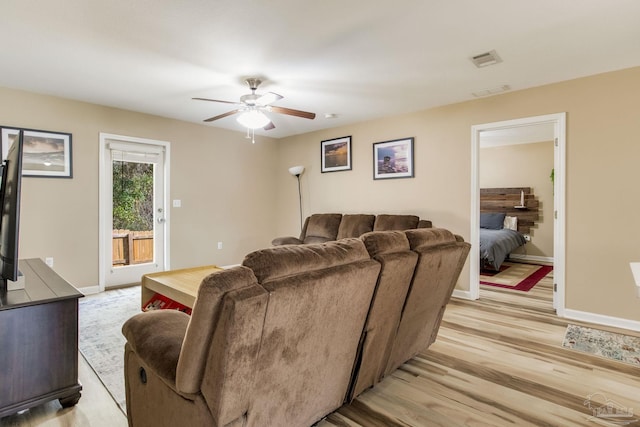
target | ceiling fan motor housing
x=249, y=99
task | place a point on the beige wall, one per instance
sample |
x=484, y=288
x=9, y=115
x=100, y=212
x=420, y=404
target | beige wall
x=524, y=165
x=243, y=195
x=602, y=176
x=226, y=185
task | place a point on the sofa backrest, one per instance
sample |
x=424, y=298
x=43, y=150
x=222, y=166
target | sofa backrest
x=391, y=249
x=319, y=296
x=441, y=257
x=320, y=228
x=385, y=222
x=355, y=225
x=221, y=343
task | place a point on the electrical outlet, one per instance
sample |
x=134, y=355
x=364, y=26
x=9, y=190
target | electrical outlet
x=527, y=237
x=219, y=245
x=49, y=261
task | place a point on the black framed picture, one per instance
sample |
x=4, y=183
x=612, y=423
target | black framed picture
x=336, y=154
x=46, y=154
x=393, y=159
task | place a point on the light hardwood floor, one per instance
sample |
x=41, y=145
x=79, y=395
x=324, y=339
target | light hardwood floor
x=96, y=407
x=497, y=361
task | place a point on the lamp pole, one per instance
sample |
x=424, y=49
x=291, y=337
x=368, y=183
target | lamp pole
x=300, y=200
x=297, y=171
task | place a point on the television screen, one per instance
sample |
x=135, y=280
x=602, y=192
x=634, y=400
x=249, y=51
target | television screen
x=10, y=212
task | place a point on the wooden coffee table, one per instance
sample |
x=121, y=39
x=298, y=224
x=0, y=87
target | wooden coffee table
x=178, y=285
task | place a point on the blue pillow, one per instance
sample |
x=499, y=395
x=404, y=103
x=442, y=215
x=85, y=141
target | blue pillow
x=492, y=221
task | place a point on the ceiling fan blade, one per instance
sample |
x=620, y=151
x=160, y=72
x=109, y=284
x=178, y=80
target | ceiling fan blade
x=222, y=116
x=269, y=126
x=215, y=100
x=291, y=112
x=268, y=98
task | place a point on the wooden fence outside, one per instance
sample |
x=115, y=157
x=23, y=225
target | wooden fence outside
x=132, y=247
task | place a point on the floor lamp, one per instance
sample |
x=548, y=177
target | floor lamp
x=297, y=171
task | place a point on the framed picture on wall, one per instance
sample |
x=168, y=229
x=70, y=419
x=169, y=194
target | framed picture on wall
x=393, y=159
x=46, y=154
x=335, y=154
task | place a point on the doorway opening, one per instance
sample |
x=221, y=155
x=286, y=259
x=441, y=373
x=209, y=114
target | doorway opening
x=556, y=125
x=134, y=235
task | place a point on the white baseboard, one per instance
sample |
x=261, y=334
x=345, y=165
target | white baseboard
x=601, y=319
x=458, y=293
x=531, y=258
x=89, y=290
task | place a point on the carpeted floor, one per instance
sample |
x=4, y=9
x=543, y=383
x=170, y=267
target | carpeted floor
x=101, y=342
x=515, y=276
x=610, y=345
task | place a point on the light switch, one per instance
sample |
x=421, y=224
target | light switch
x=177, y=203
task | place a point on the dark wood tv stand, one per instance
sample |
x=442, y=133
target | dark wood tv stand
x=38, y=341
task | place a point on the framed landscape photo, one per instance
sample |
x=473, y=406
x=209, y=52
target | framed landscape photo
x=335, y=154
x=46, y=154
x=393, y=159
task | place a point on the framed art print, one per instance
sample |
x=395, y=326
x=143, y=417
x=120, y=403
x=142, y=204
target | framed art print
x=46, y=154
x=336, y=154
x=393, y=159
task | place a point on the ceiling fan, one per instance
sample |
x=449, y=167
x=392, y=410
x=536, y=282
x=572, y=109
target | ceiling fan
x=253, y=106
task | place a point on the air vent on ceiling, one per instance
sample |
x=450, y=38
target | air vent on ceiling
x=486, y=59
x=492, y=91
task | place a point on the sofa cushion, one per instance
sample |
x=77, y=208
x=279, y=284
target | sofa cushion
x=287, y=240
x=280, y=261
x=395, y=222
x=441, y=256
x=391, y=249
x=319, y=296
x=203, y=323
x=156, y=337
x=321, y=228
x=355, y=225
x=383, y=242
x=230, y=370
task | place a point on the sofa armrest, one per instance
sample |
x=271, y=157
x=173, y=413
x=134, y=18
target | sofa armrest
x=156, y=338
x=424, y=223
x=278, y=241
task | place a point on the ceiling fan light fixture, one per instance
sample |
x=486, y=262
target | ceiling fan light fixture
x=253, y=119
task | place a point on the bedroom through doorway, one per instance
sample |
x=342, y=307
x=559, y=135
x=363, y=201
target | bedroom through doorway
x=516, y=213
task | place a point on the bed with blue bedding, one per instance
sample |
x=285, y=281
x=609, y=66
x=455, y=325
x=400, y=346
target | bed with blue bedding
x=496, y=242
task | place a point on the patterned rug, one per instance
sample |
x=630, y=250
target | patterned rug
x=101, y=342
x=515, y=276
x=624, y=348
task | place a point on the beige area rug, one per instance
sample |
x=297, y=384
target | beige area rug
x=515, y=276
x=101, y=342
x=623, y=348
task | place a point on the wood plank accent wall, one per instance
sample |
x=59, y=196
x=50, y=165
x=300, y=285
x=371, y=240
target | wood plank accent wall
x=506, y=199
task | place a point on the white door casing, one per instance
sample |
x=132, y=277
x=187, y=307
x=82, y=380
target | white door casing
x=558, y=121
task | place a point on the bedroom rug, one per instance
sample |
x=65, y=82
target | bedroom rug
x=101, y=342
x=491, y=273
x=516, y=276
x=610, y=345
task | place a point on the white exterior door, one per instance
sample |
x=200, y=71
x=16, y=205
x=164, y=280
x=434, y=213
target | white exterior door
x=134, y=216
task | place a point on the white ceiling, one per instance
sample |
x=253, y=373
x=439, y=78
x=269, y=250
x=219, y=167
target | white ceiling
x=357, y=59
